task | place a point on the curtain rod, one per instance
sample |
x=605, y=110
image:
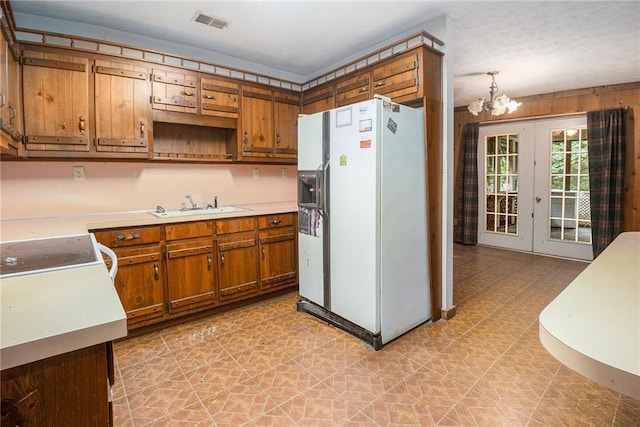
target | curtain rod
x=549, y=116
x=519, y=119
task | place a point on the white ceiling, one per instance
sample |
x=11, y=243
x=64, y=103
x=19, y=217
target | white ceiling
x=538, y=47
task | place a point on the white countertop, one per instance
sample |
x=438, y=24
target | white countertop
x=55, y=312
x=31, y=228
x=51, y=313
x=593, y=326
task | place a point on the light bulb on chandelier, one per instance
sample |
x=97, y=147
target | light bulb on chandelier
x=496, y=105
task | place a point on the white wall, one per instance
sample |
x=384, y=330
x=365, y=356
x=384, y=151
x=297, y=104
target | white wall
x=40, y=189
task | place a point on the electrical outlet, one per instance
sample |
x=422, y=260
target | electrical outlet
x=285, y=172
x=78, y=173
x=256, y=174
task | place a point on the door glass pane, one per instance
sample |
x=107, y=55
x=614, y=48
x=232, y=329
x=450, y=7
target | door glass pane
x=570, y=211
x=501, y=182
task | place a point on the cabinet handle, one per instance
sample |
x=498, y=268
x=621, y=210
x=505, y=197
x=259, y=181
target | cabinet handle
x=12, y=114
x=276, y=222
x=141, y=127
x=364, y=89
x=245, y=141
x=3, y=99
x=127, y=237
x=381, y=83
x=263, y=252
x=209, y=266
x=222, y=260
x=156, y=274
x=81, y=125
x=212, y=97
x=277, y=139
x=185, y=93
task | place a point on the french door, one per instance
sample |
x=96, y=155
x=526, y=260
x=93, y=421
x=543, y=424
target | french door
x=534, y=187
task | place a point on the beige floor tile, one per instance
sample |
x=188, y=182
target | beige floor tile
x=265, y=364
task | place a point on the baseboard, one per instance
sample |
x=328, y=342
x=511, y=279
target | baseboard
x=449, y=313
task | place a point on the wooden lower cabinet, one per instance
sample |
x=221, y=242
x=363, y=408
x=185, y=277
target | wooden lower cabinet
x=172, y=270
x=278, y=254
x=140, y=284
x=237, y=258
x=190, y=266
x=140, y=278
x=71, y=389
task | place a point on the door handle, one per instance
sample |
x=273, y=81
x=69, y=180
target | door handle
x=538, y=199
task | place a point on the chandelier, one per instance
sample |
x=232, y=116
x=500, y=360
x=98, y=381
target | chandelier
x=496, y=104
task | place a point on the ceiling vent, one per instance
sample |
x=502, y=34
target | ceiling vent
x=210, y=20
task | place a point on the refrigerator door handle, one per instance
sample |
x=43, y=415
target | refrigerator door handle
x=324, y=208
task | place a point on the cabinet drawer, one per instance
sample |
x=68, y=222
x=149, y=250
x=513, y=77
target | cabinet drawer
x=235, y=225
x=354, y=89
x=275, y=221
x=128, y=236
x=188, y=230
x=398, y=77
x=193, y=247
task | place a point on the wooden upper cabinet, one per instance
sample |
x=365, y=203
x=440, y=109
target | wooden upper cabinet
x=353, y=89
x=174, y=91
x=286, y=111
x=257, y=135
x=56, y=102
x=318, y=99
x=121, y=107
x=399, y=78
x=10, y=110
x=219, y=98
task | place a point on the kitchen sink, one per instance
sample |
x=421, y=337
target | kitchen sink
x=173, y=213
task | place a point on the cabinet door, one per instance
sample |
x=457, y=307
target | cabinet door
x=257, y=122
x=398, y=78
x=353, y=89
x=190, y=275
x=10, y=111
x=122, y=107
x=286, y=111
x=139, y=284
x=219, y=98
x=277, y=258
x=237, y=266
x=56, y=95
x=318, y=99
x=174, y=91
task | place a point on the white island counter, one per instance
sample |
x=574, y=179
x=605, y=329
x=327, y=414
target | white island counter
x=593, y=326
x=51, y=313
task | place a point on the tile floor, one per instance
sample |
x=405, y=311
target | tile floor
x=268, y=365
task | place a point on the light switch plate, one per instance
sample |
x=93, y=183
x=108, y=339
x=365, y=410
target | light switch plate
x=256, y=174
x=285, y=172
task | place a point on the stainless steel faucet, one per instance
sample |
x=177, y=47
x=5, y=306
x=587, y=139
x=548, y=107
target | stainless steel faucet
x=194, y=205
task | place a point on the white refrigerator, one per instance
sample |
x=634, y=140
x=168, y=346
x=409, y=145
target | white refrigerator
x=363, y=262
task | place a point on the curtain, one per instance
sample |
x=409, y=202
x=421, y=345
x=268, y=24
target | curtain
x=467, y=230
x=606, y=145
